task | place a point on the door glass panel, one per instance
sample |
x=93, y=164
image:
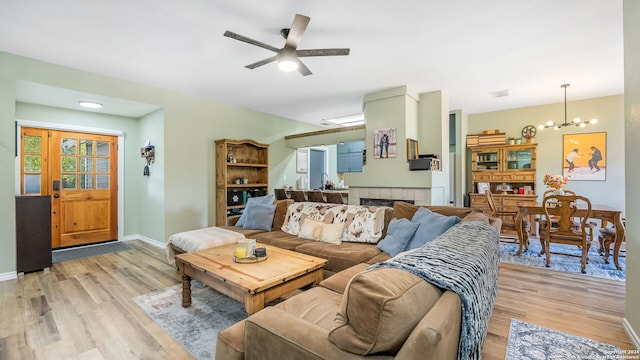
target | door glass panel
x=68, y=182
x=103, y=148
x=86, y=181
x=32, y=183
x=68, y=163
x=86, y=147
x=68, y=146
x=86, y=164
x=102, y=181
x=32, y=144
x=102, y=165
x=32, y=163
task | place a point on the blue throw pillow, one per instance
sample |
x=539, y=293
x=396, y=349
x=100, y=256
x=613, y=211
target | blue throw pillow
x=259, y=217
x=431, y=226
x=254, y=200
x=398, y=236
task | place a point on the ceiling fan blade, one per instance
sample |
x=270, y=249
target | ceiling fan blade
x=298, y=28
x=302, y=68
x=262, y=62
x=233, y=35
x=322, y=52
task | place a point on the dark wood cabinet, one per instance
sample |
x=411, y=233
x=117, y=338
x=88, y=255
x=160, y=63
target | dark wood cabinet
x=33, y=233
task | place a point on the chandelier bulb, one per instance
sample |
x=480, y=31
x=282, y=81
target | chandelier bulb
x=593, y=121
x=549, y=123
x=576, y=120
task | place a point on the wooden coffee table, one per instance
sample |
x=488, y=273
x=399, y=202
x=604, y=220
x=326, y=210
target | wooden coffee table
x=253, y=283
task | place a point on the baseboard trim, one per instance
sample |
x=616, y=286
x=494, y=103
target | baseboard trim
x=631, y=333
x=148, y=240
x=8, y=276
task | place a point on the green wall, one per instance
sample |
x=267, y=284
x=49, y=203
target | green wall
x=632, y=134
x=608, y=110
x=179, y=194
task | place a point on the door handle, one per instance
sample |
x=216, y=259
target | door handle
x=56, y=195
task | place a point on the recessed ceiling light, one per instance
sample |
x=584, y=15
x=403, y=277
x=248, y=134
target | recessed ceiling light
x=351, y=120
x=90, y=104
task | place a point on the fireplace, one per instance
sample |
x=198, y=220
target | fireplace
x=382, y=202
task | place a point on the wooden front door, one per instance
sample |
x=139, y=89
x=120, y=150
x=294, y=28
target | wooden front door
x=79, y=171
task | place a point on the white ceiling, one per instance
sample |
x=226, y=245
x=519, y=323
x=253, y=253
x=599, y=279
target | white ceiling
x=467, y=48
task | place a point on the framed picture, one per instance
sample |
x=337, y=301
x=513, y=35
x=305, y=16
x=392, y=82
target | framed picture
x=384, y=143
x=302, y=160
x=584, y=156
x=412, y=149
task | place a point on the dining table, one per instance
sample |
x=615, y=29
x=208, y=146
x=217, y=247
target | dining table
x=604, y=213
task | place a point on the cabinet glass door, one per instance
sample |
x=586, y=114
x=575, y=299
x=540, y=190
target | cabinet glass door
x=519, y=159
x=487, y=160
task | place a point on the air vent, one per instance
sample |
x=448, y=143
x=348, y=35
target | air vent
x=500, y=93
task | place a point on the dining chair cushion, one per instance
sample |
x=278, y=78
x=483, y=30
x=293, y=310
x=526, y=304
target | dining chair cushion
x=431, y=226
x=398, y=236
x=268, y=199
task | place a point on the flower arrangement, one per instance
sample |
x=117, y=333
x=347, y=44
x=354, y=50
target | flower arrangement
x=555, y=181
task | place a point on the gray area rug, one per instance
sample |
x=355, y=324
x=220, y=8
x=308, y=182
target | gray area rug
x=87, y=251
x=196, y=327
x=533, y=342
x=595, y=267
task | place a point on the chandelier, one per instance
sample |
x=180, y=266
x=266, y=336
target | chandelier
x=575, y=122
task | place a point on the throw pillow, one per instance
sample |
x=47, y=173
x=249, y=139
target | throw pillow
x=259, y=217
x=398, y=236
x=431, y=226
x=254, y=200
x=319, y=231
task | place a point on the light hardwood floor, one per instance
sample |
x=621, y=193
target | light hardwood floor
x=83, y=309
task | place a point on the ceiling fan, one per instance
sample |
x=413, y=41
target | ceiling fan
x=288, y=56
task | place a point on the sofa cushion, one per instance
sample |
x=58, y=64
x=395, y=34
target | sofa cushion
x=398, y=236
x=247, y=233
x=281, y=212
x=298, y=211
x=259, y=216
x=281, y=240
x=319, y=231
x=339, y=257
x=317, y=305
x=362, y=223
x=340, y=280
x=379, y=310
x=268, y=199
x=431, y=226
x=405, y=210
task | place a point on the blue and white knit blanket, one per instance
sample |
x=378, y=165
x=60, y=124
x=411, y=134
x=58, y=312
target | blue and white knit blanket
x=465, y=259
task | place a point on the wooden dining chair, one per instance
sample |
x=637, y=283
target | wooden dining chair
x=576, y=221
x=606, y=238
x=315, y=196
x=563, y=209
x=297, y=196
x=280, y=194
x=508, y=230
x=335, y=198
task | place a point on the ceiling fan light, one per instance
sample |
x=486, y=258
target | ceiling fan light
x=287, y=65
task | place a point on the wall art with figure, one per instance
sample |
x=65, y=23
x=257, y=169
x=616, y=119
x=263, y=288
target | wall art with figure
x=384, y=143
x=584, y=156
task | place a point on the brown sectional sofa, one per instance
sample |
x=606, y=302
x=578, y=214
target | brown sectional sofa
x=356, y=313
